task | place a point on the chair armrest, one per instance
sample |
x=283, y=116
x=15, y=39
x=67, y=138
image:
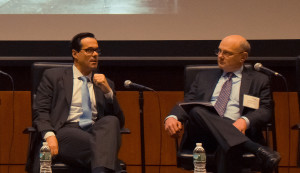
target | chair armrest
x=29, y=130
x=296, y=127
x=125, y=131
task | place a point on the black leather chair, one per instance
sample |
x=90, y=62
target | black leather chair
x=185, y=154
x=35, y=140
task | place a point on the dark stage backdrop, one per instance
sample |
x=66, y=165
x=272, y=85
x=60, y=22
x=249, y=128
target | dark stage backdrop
x=158, y=64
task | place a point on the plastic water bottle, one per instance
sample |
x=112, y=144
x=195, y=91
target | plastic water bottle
x=45, y=159
x=199, y=159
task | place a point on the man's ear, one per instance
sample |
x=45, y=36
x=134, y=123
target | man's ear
x=244, y=57
x=74, y=54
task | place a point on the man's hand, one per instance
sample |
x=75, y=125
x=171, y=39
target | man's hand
x=241, y=125
x=173, y=127
x=53, y=145
x=101, y=82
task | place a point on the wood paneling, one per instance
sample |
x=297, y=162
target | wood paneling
x=12, y=169
x=286, y=115
x=130, y=151
x=15, y=115
x=6, y=127
x=152, y=128
x=168, y=149
x=294, y=119
x=282, y=120
x=159, y=147
x=293, y=170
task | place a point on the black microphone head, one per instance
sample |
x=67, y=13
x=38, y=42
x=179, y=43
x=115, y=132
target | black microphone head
x=257, y=66
x=127, y=83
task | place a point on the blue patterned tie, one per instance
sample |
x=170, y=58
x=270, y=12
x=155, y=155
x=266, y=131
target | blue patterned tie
x=224, y=95
x=86, y=118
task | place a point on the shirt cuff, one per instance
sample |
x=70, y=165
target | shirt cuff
x=247, y=121
x=171, y=116
x=109, y=96
x=47, y=134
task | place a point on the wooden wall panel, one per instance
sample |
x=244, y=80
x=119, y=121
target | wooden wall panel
x=283, y=170
x=4, y=168
x=14, y=122
x=160, y=148
x=168, y=149
x=294, y=119
x=12, y=169
x=156, y=169
x=173, y=169
x=152, y=126
x=23, y=119
x=6, y=125
x=131, y=147
x=282, y=121
x=293, y=170
x=134, y=169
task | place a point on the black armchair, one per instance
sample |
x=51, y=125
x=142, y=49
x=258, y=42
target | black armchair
x=185, y=153
x=35, y=140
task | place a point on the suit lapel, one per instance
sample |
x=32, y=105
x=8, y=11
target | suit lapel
x=245, y=86
x=99, y=97
x=215, y=78
x=68, y=84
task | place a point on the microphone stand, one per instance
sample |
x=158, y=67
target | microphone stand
x=141, y=103
x=140, y=88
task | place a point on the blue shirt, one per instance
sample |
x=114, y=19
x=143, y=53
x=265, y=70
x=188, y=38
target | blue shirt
x=233, y=106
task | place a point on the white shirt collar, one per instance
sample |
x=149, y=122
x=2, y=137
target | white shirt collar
x=237, y=73
x=77, y=73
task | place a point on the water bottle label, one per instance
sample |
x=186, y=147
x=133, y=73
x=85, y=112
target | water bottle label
x=200, y=157
x=45, y=156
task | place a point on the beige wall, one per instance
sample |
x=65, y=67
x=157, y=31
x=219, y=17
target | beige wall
x=196, y=20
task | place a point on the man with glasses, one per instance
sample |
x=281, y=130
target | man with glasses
x=77, y=112
x=242, y=105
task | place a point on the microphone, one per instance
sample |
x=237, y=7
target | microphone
x=11, y=79
x=260, y=67
x=1, y=72
x=129, y=84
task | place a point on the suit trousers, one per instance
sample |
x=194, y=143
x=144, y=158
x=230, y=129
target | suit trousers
x=95, y=147
x=218, y=135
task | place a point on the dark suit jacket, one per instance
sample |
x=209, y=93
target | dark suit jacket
x=253, y=83
x=53, y=100
x=52, y=106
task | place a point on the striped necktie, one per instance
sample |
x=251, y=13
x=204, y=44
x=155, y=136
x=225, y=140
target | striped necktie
x=224, y=95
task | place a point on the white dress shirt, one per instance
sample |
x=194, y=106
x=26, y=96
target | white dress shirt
x=233, y=106
x=76, y=106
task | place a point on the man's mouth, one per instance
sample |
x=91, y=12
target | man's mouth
x=93, y=61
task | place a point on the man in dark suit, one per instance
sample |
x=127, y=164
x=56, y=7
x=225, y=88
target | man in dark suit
x=94, y=141
x=239, y=111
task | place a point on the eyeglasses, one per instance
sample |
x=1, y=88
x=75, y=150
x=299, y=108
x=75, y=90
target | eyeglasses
x=90, y=51
x=226, y=53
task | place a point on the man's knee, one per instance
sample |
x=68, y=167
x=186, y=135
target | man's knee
x=109, y=120
x=195, y=111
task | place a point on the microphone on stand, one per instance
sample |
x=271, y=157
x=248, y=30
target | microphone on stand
x=11, y=79
x=129, y=84
x=260, y=67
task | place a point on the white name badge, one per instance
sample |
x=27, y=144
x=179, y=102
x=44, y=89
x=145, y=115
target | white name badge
x=251, y=102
